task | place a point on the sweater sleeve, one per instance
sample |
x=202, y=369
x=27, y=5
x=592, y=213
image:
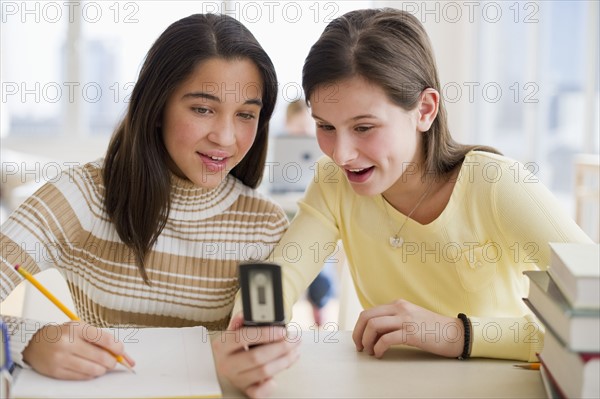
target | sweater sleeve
x=312, y=236
x=35, y=236
x=530, y=217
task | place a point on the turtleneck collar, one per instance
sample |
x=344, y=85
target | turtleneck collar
x=190, y=202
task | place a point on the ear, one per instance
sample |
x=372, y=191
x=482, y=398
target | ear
x=428, y=109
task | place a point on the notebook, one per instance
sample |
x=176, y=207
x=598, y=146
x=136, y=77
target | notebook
x=292, y=166
x=170, y=362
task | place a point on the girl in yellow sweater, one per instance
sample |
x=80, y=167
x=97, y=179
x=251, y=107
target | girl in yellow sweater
x=436, y=233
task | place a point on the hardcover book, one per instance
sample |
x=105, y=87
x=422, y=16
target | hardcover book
x=575, y=268
x=575, y=374
x=578, y=329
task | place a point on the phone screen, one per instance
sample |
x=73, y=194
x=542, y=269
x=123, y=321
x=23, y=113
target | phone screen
x=262, y=294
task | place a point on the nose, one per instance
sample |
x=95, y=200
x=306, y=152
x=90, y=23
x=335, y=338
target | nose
x=223, y=133
x=344, y=150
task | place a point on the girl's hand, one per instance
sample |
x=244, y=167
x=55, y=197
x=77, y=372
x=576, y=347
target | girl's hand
x=251, y=370
x=404, y=323
x=73, y=351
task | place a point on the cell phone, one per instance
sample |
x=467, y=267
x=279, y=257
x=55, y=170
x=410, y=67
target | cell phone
x=262, y=293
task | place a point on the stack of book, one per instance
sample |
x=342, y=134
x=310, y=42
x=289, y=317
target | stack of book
x=566, y=299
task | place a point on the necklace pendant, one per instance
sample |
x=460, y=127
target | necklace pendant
x=396, y=242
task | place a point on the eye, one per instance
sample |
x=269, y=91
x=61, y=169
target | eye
x=363, y=129
x=201, y=110
x=246, y=116
x=325, y=127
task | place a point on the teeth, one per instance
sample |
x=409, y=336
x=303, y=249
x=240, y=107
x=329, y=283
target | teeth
x=356, y=170
x=217, y=158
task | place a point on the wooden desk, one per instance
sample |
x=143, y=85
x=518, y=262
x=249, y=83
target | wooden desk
x=330, y=367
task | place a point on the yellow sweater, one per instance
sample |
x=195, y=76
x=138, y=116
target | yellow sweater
x=497, y=224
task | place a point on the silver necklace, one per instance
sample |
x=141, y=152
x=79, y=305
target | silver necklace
x=396, y=240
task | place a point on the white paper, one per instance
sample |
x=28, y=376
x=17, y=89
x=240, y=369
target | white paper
x=170, y=362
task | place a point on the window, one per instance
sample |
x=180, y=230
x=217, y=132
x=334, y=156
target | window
x=521, y=76
x=69, y=67
x=540, y=66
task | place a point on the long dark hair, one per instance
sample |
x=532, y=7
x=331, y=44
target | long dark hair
x=389, y=48
x=136, y=175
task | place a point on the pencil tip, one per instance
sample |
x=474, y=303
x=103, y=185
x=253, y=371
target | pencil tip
x=128, y=366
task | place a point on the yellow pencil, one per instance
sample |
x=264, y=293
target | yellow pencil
x=528, y=366
x=62, y=307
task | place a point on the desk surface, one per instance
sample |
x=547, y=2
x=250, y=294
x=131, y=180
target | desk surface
x=330, y=367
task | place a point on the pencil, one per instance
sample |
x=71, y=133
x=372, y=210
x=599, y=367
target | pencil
x=528, y=366
x=62, y=307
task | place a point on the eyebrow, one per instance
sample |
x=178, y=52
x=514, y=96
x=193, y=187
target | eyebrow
x=355, y=118
x=211, y=97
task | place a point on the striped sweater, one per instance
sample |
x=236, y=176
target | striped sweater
x=192, y=267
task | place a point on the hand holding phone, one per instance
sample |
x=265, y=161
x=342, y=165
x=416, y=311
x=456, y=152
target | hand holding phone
x=262, y=294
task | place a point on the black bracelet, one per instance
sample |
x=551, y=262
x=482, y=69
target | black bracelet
x=466, y=353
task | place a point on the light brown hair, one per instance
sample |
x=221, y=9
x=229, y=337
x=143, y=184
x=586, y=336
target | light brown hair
x=389, y=48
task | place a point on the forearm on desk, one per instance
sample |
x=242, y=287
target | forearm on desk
x=518, y=338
